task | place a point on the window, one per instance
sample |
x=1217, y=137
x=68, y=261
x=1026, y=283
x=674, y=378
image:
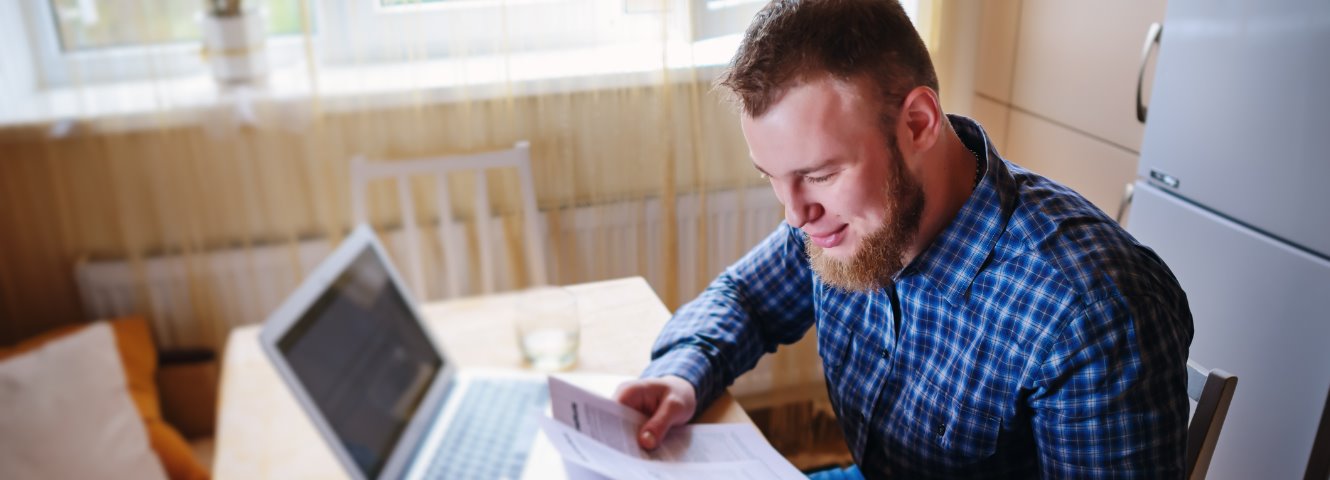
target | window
x=95, y=41
x=93, y=24
x=395, y=30
x=719, y=17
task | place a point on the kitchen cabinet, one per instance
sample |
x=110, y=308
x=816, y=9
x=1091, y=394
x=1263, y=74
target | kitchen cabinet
x=994, y=117
x=1099, y=171
x=998, y=22
x=1055, y=86
x=1077, y=64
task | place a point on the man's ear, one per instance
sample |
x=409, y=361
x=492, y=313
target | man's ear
x=920, y=121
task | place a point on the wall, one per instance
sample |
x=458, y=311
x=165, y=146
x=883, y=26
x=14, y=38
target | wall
x=1055, y=85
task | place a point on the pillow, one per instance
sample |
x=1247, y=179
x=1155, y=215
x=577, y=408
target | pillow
x=138, y=357
x=68, y=413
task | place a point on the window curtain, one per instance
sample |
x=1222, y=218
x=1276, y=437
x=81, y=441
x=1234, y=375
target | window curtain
x=238, y=168
x=174, y=169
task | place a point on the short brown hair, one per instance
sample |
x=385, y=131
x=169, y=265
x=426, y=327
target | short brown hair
x=791, y=41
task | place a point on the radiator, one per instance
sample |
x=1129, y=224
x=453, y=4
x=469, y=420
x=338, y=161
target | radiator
x=193, y=300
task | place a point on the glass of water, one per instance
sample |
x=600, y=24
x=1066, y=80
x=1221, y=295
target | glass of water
x=548, y=327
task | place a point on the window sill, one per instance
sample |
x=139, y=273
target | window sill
x=59, y=112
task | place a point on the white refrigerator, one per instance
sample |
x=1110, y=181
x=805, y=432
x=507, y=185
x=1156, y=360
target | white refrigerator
x=1234, y=193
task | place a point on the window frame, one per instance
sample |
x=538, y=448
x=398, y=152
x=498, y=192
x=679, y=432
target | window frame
x=714, y=18
x=358, y=20
x=54, y=67
x=366, y=21
x=375, y=27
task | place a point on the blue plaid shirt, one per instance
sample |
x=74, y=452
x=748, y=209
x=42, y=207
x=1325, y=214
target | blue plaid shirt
x=1033, y=337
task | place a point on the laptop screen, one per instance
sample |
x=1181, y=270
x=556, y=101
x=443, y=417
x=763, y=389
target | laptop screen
x=364, y=359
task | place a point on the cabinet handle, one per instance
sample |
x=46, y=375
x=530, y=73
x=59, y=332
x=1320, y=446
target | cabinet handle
x=1151, y=40
x=1127, y=194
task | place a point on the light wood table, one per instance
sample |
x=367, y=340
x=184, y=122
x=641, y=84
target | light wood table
x=262, y=432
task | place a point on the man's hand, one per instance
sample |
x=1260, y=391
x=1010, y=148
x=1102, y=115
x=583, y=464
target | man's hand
x=666, y=401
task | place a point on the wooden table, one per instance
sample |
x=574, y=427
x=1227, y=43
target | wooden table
x=262, y=432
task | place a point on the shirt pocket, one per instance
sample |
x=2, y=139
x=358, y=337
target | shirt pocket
x=846, y=364
x=947, y=428
x=835, y=340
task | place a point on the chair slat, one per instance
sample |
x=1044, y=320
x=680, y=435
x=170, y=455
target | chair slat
x=483, y=233
x=1195, y=380
x=454, y=257
x=412, y=232
x=454, y=263
x=531, y=217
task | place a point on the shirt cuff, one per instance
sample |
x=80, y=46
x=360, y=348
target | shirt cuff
x=691, y=365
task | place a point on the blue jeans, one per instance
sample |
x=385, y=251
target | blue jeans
x=850, y=473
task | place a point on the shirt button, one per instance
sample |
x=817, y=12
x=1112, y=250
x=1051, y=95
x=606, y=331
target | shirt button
x=940, y=429
x=886, y=353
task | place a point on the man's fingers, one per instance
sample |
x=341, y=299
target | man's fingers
x=652, y=431
x=637, y=396
x=666, y=401
x=670, y=412
x=644, y=396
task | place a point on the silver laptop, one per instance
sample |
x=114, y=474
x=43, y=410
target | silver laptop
x=388, y=401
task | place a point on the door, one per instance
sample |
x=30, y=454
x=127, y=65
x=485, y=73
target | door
x=1260, y=310
x=1238, y=117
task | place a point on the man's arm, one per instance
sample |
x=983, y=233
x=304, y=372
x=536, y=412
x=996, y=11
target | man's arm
x=760, y=302
x=1112, y=393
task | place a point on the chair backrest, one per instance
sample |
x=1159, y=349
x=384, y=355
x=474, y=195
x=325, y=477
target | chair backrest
x=455, y=262
x=1212, y=390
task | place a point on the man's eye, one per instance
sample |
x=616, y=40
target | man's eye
x=818, y=179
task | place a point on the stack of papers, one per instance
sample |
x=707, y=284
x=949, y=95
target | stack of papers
x=597, y=437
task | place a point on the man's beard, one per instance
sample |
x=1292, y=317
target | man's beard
x=881, y=253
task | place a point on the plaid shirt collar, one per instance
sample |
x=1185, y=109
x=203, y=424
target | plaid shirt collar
x=953, y=259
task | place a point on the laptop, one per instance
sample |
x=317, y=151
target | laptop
x=386, y=398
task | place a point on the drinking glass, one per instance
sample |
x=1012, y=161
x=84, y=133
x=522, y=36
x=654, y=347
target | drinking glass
x=548, y=327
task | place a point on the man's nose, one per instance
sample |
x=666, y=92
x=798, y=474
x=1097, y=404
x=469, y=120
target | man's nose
x=799, y=210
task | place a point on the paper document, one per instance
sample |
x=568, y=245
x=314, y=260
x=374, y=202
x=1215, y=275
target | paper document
x=600, y=434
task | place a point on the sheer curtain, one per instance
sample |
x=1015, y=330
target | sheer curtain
x=173, y=166
x=144, y=158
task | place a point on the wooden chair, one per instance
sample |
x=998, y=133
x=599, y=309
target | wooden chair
x=1212, y=390
x=455, y=261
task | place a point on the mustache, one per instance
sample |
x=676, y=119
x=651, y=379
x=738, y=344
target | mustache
x=880, y=255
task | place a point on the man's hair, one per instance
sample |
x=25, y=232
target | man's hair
x=791, y=41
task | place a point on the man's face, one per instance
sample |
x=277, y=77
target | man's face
x=842, y=181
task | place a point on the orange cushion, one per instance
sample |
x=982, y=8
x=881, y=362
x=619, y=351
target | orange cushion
x=176, y=456
x=138, y=356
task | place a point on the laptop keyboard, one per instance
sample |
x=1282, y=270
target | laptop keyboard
x=492, y=432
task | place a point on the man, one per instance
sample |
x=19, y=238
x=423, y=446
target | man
x=974, y=319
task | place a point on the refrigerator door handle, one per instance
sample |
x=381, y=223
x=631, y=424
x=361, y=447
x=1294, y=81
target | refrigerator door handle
x=1151, y=41
x=1126, y=201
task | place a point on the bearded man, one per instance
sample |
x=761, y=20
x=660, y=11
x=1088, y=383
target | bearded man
x=974, y=319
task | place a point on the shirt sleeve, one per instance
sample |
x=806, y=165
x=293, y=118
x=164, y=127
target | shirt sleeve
x=1111, y=400
x=763, y=300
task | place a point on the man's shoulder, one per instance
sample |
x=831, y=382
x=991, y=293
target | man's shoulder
x=1054, y=230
